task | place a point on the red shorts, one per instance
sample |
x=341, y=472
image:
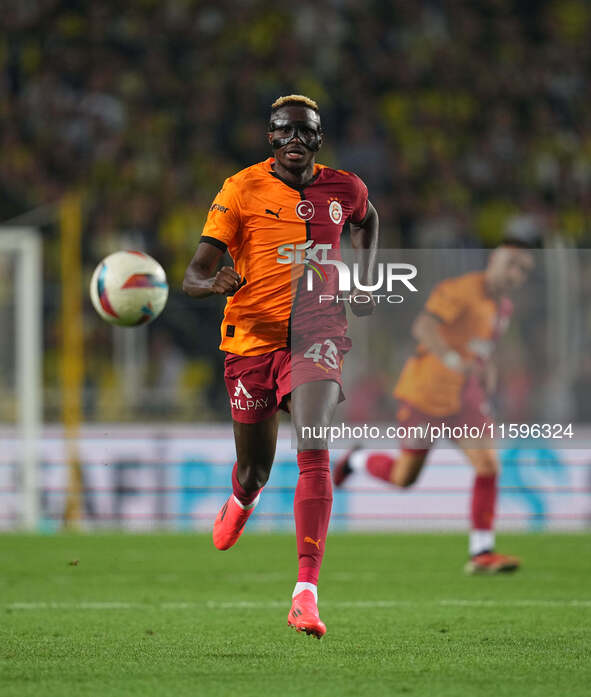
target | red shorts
x=259, y=385
x=474, y=414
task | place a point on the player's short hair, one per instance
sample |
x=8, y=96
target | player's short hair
x=521, y=244
x=524, y=232
x=294, y=100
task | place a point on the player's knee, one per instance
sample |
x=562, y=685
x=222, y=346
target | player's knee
x=408, y=468
x=253, y=477
x=312, y=444
x=256, y=480
x=405, y=479
x=309, y=440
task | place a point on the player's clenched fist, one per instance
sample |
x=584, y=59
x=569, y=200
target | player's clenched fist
x=226, y=281
x=362, y=303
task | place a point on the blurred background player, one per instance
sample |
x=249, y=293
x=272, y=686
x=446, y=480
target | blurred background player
x=448, y=380
x=280, y=354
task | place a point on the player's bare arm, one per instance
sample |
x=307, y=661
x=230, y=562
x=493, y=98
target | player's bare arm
x=491, y=377
x=201, y=278
x=426, y=330
x=364, y=237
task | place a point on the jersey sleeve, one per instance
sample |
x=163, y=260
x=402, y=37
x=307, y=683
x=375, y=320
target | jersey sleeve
x=360, y=201
x=223, y=219
x=447, y=301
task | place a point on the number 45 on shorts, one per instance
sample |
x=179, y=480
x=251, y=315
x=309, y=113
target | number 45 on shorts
x=326, y=352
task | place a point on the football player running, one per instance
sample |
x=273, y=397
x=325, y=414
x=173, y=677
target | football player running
x=284, y=349
x=448, y=380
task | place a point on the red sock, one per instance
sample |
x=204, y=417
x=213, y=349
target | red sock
x=245, y=497
x=311, y=506
x=484, y=495
x=380, y=466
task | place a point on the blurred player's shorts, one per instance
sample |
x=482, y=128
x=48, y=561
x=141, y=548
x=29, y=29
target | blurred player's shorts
x=473, y=421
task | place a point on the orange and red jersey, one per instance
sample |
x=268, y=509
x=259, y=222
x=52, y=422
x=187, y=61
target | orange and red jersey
x=471, y=322
x=253, y=216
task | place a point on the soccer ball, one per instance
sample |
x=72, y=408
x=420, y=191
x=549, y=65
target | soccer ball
x=129, y=288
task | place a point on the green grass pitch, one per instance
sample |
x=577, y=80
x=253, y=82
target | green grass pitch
x=168, y=615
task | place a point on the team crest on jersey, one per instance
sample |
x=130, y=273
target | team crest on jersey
x=335, y=211
x=305, y=210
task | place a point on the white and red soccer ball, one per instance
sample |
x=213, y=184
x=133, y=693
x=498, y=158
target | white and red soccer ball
x=129, y=288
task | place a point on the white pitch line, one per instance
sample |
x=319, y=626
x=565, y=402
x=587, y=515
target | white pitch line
x=83, y=605
x=517, y=603
x=273, y=604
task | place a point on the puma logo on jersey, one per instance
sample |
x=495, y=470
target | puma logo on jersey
x=270, y=212
x=240, y=389
x=217, y=207
x=316, y=543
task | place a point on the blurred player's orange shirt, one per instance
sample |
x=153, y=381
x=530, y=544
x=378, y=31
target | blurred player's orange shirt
x=471, y=321
x=254, y=215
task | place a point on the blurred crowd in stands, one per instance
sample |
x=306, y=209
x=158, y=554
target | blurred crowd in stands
x=461, y=116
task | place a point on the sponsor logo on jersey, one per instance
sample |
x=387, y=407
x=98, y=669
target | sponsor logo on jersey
x=303, y=252
x=315, y=256
x=249, y=402
x=240, y=389
x=218, y=207
x=305, y=210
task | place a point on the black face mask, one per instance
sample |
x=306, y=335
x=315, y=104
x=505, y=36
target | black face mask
x=284, y=131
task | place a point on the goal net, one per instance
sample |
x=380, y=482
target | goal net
x=20, y=375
